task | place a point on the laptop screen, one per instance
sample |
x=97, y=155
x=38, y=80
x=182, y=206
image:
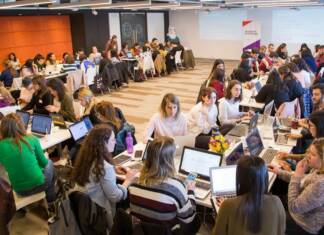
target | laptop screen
x=258, y=86
x=24, y=117
x=78, y=130
x=87, y=122
x=198, y=161
x=268, y=109
x=41, y=124
x=129, y=55
x=254, y=142
x=254, y=121
x=235, y=155
x=223, y=180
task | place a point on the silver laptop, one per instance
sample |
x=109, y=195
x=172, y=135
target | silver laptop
x=41, y=125
x=242, y=129
x=223, y=181
x=198, y=161
x=139, y=165
x=79, y=131
x=181, y=141
x=256, y=147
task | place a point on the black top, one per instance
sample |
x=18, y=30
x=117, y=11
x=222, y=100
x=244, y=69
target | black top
x=241, y=75
x=271, y=92
x=39, y=101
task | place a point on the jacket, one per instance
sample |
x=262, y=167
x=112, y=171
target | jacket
x=110, y=75
x=67, y=109
x=75, y=80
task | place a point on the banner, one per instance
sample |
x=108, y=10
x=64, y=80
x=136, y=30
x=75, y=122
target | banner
x=251, y=34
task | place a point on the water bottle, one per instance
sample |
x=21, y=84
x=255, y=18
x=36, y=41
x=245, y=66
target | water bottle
x=129, y=143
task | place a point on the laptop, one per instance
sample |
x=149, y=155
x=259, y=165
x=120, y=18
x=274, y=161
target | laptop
x=139, y=165
x=258, y=86
x=87, y=122
x=58, y=120
x=25, y=116
x=235, y=155
x=242, y=129
x=198, y=161
x=79, y=131
x=181, y=141
x=41, y=125
x=129, y=55
x=256, y=147
x=267, y=112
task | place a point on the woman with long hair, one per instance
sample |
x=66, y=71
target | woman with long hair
x=254, y=210
x=22, y=156
x=95, y=171
x=282, y=51
x=41, y=97
x=63, y=103
x=14, y=61
x=159, y=196
x=306, y=192
x=50, y=59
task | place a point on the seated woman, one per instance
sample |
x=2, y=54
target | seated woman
x=282, y=51
x=69, y=64
x=95, y=171
x=15, y=63
x=8, y=74
x=306, y=192
x=173, y=202
x=169, y=121
x=63, y=102
x=229, y=112
x=26, y=91
x=244, y=72
x=23, y=158
x=6, y=98
x=39, y=61
x=124, y=50
x=28, y=69
x=254, y=210
x=274, y=89
x=41, y=97
x=50, y=59
x=86, y=99
x=136, y=50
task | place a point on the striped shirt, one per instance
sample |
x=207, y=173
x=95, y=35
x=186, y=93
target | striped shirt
x=69, y=67
x=166, y=203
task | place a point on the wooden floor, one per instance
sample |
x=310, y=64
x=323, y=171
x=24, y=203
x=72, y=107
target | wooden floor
x=138, y=102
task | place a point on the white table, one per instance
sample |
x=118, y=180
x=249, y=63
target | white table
x=247, y=101
x=57, y=136
x=9, y=109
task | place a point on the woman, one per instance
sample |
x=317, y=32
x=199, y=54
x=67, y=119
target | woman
x=136, y=50
x=69, y=64
x=229, y=105
x=41, y=97
x=173, y=202
x=6, y=98
x=26, y=92
x=63, y=103
x=170, y=121
x=23, y=158
x=95, y=171
x=29, y=69
x=14, y=61
x=50, y=59
x=306, y=192
x=274, y=89
x=124, y=50
x=39, y=61
x=282, y=51
x=307, y=56
x=244, y=72
x=254, y=210
x=86, y=99
x=110, y=45
x=7, y=75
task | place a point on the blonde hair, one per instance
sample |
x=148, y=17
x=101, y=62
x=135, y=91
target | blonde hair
x=159, y=164
x=169, y=98
x=319, y=146
x=86, y=94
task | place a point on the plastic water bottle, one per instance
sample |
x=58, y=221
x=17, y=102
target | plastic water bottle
x=129, y=142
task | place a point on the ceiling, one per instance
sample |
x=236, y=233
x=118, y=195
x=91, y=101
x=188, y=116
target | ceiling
x=154, y=4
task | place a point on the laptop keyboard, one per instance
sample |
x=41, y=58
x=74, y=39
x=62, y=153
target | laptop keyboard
x=239, y=130
x=137, y=166
x=269, y=155
x=199, y=184
x=121, y=159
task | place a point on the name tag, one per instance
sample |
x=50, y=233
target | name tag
x=40, y=101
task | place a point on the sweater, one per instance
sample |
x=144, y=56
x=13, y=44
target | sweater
x=39, y=101
x=67, y=109
x=23, y=167
x=306, y=199
x=169, y=127
x=273, y=217
x=199, y=122
x=228, y=111
x=219, y=87
x=165, y=203
x=6, y=77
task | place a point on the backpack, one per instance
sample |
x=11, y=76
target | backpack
x=7, y=201
x=139, y=75
x=91, y=217
x=121, y=138
x=98, y=86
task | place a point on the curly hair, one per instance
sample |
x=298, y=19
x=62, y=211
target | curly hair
x=92, y=155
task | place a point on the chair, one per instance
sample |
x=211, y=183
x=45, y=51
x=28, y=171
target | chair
x=289, y=109
x=177, y=60
x=148, y=64
x=23, y=201
x=75, y=80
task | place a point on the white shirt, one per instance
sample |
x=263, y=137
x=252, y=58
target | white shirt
x=304, y=78
x=228, y=111
x=166, y=126
x=201, y=118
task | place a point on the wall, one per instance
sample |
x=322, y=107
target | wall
x=29, y=35
x=188, y=29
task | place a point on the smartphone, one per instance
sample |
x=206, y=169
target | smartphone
x=191, y=177
x=138, y=153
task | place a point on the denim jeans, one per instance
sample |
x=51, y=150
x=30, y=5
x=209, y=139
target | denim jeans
x=48, y=186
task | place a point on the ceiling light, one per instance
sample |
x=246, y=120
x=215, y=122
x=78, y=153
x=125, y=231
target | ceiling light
x=23, y=3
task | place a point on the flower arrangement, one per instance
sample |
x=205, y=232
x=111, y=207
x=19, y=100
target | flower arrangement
x=218, y=143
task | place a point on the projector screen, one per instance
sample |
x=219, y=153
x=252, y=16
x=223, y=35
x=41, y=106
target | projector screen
x=298, y=26
x=221, y=24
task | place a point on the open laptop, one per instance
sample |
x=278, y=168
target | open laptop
x=258, y=86
x=41, y=125
x=58, y=120
x=256, y=147
x=25, y=116
x=267, y=112
x=198, y=161
x=181, y=141
x=78, y=131
x=233, y=157
x=139, y=164
x=242, y=129
x=87, y=122
x=129, y=55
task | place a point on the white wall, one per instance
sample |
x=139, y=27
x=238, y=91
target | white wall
x=188, y=29
x=155, y=26
x=114, y=27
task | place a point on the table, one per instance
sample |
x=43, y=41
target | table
x=248, y=101
x=57, y=136
x=9, y=109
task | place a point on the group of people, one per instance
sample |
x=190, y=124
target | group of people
x=157, y=196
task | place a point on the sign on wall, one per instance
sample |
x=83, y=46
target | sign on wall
x=251, y=34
